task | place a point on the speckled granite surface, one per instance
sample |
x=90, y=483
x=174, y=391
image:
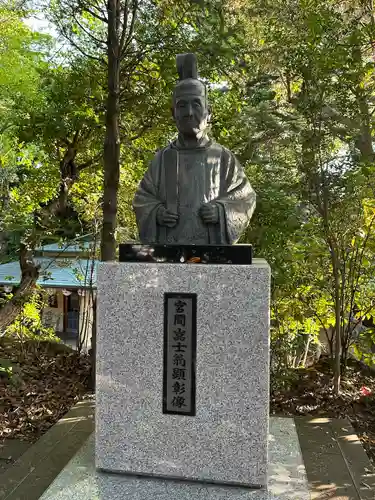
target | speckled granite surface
x=287, y=479
x=226, y=441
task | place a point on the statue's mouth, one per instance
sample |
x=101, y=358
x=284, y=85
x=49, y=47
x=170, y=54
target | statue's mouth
x=191, y=123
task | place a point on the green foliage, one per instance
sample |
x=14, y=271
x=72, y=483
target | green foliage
x=299, y=113
x=292, y=89
x=10, y=371
x=28, y=325
x=364, y=347
x=21, y=54
x=6, y=368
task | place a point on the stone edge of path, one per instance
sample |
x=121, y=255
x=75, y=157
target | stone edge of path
x=35, y=469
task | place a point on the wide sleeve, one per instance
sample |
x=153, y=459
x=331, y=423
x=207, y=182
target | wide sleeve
x=238, y=199
x=146, y=202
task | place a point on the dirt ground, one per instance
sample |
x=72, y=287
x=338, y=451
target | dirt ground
x=45, y=381
x=310, y=393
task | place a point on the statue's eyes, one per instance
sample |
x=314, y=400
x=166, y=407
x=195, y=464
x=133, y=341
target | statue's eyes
x=197, y=104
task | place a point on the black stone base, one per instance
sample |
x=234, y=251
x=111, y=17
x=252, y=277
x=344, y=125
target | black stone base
x=186, y=254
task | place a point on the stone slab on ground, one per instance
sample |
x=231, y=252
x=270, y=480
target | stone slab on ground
x=330, y=477
x=35, y=469
x=287, y=480
x=226, y=441
x=10, y=451
x=336, y=464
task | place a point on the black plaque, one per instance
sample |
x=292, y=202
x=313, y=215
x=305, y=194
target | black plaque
x=180, y=348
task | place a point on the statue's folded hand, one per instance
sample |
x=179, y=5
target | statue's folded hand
x=209, y=213
x=165, y=217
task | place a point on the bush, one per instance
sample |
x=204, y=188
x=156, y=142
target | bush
x=28, y=325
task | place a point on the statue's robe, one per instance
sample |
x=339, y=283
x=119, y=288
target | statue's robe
x=182, y=180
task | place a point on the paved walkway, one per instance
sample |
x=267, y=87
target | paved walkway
x=336, y=464
x=10, y=451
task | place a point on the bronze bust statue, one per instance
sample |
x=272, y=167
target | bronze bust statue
x=194, y=191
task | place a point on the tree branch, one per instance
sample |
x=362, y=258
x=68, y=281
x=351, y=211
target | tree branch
x=75, y=45
x=124, y=25
x=85, y=30
x=131, y=29
x=88, y=163
x=84, y=7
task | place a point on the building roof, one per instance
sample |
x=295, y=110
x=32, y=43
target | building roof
x=54, y=272
x=71, y=248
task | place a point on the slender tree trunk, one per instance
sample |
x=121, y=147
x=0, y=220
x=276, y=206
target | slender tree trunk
x=93, y=341
x=337, y=363
x=329, y=336
x=4, y=235
x=345, y=352
x=364, y=141
x=93, y=304
x=307, y=345
x=112, y=138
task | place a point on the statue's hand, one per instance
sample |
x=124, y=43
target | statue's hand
x=209, y=213
x=165, y=217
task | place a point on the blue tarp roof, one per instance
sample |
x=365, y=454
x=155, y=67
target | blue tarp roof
x=56, y=247
x=55, y=272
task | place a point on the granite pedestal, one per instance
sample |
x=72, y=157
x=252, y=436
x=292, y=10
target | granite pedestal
x=225, y=442
x=287, y=480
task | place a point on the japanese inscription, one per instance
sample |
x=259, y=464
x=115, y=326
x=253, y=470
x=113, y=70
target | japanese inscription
x=180, y=330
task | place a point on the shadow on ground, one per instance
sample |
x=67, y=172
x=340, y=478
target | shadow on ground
x=337, y=466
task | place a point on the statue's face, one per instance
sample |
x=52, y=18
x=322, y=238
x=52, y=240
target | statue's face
x=190, y=114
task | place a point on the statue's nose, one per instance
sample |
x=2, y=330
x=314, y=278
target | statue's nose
x=190, y=110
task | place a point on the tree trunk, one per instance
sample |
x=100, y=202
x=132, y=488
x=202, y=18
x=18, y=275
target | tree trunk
x=307, y=345
x=364, y=140
x=337, y=365
x=29, y=276
x=112, y=138
x=329, y=337
x=93, y=343
x=4, y=235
